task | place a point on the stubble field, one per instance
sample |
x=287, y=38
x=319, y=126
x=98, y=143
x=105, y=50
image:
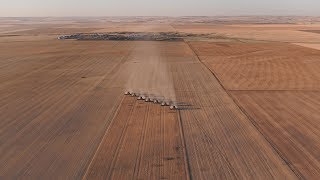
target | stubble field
x=247, y=103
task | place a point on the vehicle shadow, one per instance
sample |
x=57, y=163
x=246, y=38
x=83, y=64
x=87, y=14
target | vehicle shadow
x=186, y=106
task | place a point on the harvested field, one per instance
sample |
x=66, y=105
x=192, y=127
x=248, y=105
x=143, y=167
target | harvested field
x=276, y=85
x=221, y=142
x=143, y=142
x=56, y=31
x=308, y=45
x=312, y=31
x=287, y=118
x=290, y=121
x=207, y=115
x=247, y=109
x=136, y=27
x=56, y=108
x=262, y=66
x=268, y=32
x=68, y=102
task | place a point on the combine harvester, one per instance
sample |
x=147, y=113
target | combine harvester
x=153, y=98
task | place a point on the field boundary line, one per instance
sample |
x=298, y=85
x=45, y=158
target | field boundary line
x=104, y=136
x=141, y=145
x=285, y=160
x=295, y=172
x=185, y=150
x=273, y=90
x=120, y=143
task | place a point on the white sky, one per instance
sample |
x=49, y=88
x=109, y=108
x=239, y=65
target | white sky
x=158, y=7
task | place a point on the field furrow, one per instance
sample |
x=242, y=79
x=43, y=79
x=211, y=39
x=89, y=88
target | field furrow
x=144, y=141
x=221, y=141
x=290, y=121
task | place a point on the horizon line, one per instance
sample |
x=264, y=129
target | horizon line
x=160, y=16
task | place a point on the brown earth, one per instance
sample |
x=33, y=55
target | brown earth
x=290, y=121
x=56, y=31
x=248, y=109
x=221, y=142
x=277, y=86
x=312, y=31
x=267, y=32
x=261, y=66
x=309, y=45
x=143, y=142
x=56, y=103
x=58, y=100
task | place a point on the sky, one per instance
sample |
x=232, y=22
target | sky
x=20, y=8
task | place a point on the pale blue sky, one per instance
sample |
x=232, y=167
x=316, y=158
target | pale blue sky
x=158, y=7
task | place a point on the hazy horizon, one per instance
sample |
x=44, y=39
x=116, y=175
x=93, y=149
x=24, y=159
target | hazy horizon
x=73, y=8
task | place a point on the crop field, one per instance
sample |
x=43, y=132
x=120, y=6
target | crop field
x=277, y=86
x=246, y=108
x=290, y=121
x=144, y=142
x=313, y=31
x=309, y=45
x=56, y=31
x=55, y=108
x=262, y=66
x=264, y=32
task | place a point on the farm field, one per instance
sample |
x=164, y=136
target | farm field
x=67, y=104
x=144, y=142
x=247, y=104
x=262, y=66
x=55, y=108
x=263, y=32
x=276, y=86
x=290, y=121
x=309, y=45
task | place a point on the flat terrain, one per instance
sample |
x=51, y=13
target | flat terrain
x=309, y=45
x=313, y=31
x=143, y=142
x=217, y=132
x=55, y=108
x=68, y=104
x=269, y=33
x=261, y=66
x=248, y=100
x=290, y=121
x=277, y=86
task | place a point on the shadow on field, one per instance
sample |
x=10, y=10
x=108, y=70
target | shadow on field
x=186, y=106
